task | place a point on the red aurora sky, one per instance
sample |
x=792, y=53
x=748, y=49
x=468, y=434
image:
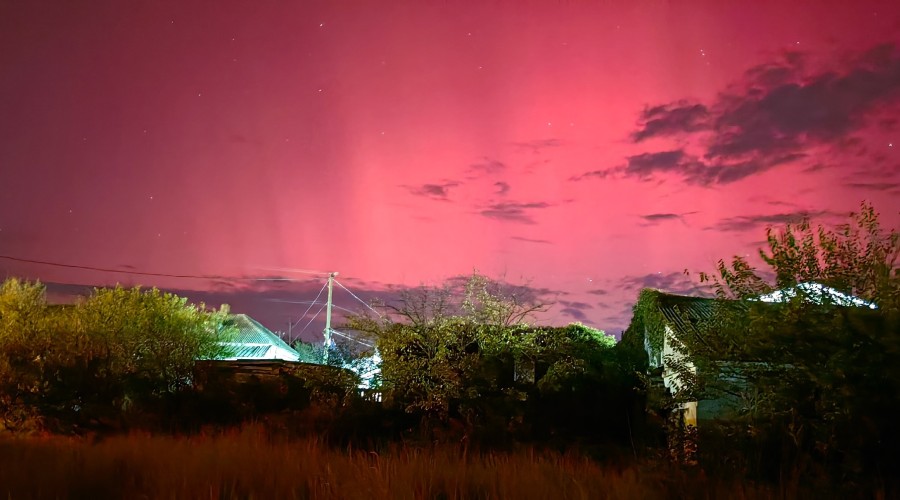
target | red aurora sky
x=586, y=148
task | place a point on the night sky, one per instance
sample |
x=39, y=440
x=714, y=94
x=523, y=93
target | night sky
x=588, y=149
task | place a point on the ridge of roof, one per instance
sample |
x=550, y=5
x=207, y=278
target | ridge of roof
x=251, y=331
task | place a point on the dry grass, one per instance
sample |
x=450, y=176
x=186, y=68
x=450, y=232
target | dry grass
x=248, y=464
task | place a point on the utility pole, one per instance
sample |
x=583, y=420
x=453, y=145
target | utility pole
x=328, y=316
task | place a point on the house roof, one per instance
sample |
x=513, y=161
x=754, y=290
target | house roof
x=816, y=293
x=254, y=341
x=683, y=314
x=690, y=317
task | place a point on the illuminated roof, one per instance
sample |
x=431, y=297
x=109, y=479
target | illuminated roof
x=254, y=341
x=816, y=293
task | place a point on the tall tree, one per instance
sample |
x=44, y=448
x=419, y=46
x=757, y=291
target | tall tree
x=812, y=371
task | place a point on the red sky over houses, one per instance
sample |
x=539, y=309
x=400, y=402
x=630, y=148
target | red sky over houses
x=588, y=148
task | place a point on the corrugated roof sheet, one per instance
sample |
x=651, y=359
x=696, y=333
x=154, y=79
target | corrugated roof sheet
x=684, y=314
x=249, y=351
x=253, y=340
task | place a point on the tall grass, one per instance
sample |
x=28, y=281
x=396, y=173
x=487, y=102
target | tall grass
x=250, y=464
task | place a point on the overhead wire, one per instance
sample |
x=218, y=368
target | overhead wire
x=361, y=301
x=140, y=273
x=310, y=306
x=221, y=278
x=346, y=336
x=311, y=320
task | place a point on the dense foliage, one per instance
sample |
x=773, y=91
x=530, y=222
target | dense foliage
x=96, y=359
x=813, y=379
x=467, y=357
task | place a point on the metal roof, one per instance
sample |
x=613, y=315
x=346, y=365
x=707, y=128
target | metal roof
x=254, y=341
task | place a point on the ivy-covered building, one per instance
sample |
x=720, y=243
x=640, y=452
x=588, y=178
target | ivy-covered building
x=672, y=327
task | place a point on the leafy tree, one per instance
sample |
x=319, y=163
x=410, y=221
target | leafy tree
x=117, y=347
x=147, y=340
x=811, y=373
x=466, y=353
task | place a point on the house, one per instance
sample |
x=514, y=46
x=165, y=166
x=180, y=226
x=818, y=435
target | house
x=253, y=341
x=668, y=323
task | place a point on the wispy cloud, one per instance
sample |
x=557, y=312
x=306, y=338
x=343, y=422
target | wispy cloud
x=502, y=188
x=514, y=211
x=753, y=222
x=530, y=240
x=433, y=191
x=487, y=166
x=537, y=146
x=873, y=186
x=673, y=282
x=654, y=219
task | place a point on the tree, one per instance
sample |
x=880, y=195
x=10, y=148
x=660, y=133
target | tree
x=465, y=352
x=811, y=372
x=118, y=347
x=148, y=340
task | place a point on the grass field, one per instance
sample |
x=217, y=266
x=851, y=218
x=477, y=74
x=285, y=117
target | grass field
x=249, y=464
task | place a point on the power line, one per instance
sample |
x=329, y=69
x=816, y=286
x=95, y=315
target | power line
x=311, y=320
x=351, y=311
x=295, y=270
x=357, y=298
x=310, y=306
x=141, y=273
x=346, y=336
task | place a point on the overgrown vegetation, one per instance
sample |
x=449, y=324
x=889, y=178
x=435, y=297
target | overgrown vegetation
x=117, y=352
x=468, y=359
x=252, y=464
x=815, y=380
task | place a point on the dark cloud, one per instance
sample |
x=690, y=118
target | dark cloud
x=751, y=222
x=873, y=186
x=502, y=188
x=673, y=282
x=768, y=119
x=659, y=217
x=693, y=170
x=433, y=191
x=600, y=174
x=529, y=240
x=677, y=118
x=653, y=219
x=538, y=145
x=583, y=306
x=797, y=109
x=598, y=291
x=487, y=166
x=576, y=314
x=513, y=211
x=816, y=167
x=644, y=164
x=575, y=309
